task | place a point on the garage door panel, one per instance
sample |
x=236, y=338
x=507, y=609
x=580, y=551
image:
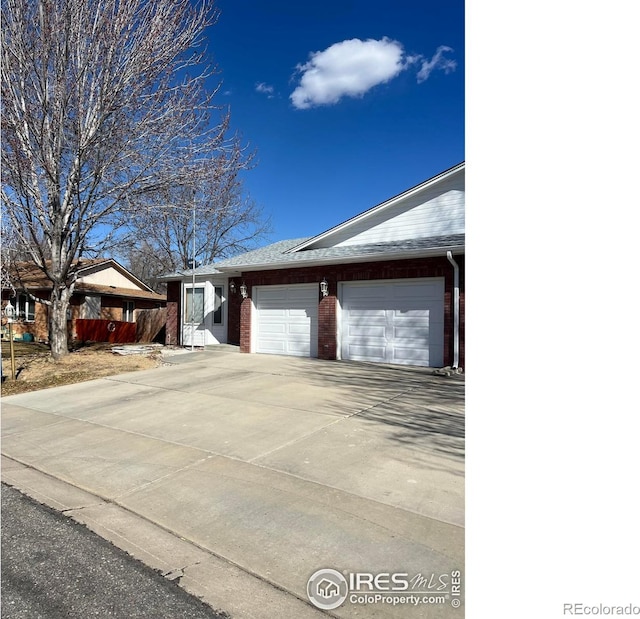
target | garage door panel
x=411, y=356
x=367, y=353
x=302, y=329
x=300, y=313
x=414, y=313
x=271, y=294
x=429, y=289
x=287, y=320
x=370, y=331
x=363, y=312
x=273, y=313
x=370, y=291
x=298, y=349
x=274, y=328
x=394, y=321
x=358, y=318
x=411, y=334
x=275, y=346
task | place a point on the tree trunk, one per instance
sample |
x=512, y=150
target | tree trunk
x=60, y=297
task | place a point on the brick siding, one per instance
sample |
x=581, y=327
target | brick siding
x=245, y=324
x=327, y=326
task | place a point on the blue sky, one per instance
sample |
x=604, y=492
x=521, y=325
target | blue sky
x=347, y=103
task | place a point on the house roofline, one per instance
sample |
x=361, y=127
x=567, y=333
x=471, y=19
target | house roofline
x=236, y=270
x=405, y=194
x=40, y=282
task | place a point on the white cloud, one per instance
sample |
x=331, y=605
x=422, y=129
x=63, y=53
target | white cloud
x=353, y=67
x=438, y=61
x=265, y=89
x=347, y=69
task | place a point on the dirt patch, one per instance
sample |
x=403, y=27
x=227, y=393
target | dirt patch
x=37, y=370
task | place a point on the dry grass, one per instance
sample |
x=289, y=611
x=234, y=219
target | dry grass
x=37, y=370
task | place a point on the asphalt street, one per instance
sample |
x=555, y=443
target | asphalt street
x=55, y=568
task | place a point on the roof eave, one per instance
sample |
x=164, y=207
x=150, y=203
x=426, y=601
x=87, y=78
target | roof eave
x=199, y=276
x=374, y=257
x=178, y=277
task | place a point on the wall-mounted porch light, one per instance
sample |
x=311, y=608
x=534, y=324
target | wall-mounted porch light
x=324, y=287
x=232, y=287
x=243, y=290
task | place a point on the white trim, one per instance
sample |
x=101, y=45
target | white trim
x=456, y=310
x=254, y=323
x=28, y=303
x=339, y=297
x=126, y=316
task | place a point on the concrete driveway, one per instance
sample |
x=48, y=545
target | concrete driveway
x=245, y=474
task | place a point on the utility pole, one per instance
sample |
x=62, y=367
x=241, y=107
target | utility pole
x=193, y=277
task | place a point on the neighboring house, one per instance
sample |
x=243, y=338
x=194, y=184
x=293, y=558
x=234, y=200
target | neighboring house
x=104, y=290
x=385, y=286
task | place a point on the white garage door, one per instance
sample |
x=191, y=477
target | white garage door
x=287, y=320
x=400, y=321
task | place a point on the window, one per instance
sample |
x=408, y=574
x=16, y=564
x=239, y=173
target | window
x=25, y=308
x=127, y=311
x=92, y=307
x=194, y=306
x=217, y=308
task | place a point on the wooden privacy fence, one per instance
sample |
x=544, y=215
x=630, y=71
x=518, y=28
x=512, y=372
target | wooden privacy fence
x=148, y=325
x=112, y=331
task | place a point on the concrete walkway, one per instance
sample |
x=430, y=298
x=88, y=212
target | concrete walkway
x=244, y=474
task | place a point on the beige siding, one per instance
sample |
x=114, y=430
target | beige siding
x=109, y=277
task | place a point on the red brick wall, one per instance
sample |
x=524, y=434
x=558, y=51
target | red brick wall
x=396, y=269
x=392, y=269
x=245, y=324
x=327, y=326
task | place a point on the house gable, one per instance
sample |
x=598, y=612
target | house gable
x=110, y=274
x=432, y=209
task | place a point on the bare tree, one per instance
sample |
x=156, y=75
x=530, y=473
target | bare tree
x=160, y=239
x=103, y=101
x=7, y=252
